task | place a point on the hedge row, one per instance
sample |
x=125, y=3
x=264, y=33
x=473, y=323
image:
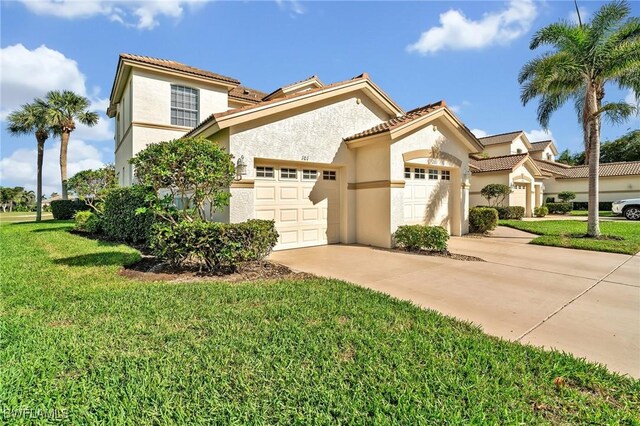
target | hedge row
x=66, y=209
x=213, y=246
x=421, y=237
x=583, y=205
x=559, y=208
x=121, y=220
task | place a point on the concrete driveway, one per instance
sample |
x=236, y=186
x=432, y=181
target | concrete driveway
x=586, y=303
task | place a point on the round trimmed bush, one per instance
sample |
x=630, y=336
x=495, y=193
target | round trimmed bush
x=482, y=219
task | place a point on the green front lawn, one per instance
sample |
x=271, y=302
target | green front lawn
x=601, y=213
x=570, y=234
x=104, y=349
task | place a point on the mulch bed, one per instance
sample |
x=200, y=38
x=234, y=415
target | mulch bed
x=446, y=254
x=150, y=268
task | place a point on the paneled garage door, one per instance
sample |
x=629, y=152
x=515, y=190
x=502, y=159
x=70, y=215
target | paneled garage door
x=303, y=201
x=519, y=196
x=426, y=196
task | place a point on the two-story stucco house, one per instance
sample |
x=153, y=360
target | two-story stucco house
x=330, y=163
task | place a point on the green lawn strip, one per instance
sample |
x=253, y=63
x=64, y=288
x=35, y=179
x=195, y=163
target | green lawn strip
x=570, y=234
x=75, y=335
x=601, y=213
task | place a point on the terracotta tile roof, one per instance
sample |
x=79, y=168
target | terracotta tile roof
x=283, y=88
x=399, y=121
x=551, y=167
x=260, y=104
x=541, y=145
x=177, y=66
x=495, y=164
x=246, y=94
x=500, y=138
x=626, y=168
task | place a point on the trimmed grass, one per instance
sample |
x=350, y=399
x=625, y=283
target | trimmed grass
x=78, y=337
x=13, y=217
x=601, y=213
x=569, y=234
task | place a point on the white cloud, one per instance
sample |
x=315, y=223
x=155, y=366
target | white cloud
x=584, y=15
x=19, y=169
x=539, y=135
x=457, y=32
x=294, y=6
x=142, y=14
x=479, y=133
x=28, y=74
x=458, y=108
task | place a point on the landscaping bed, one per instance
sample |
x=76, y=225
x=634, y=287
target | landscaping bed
x=617, y=236
x=445, y=253
x=99, y=347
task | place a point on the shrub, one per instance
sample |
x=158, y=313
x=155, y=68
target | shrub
x=566, y=196
x=559, y=208
x=583, y=205
x=87, y=221
x=66, y=209
x=511, y=212
x=550, y=200
x=422, y=237
x=213, y=246
x=541, y=211
x=91, y=185
x=497, y=192
x=121, y=220
x=482, y=219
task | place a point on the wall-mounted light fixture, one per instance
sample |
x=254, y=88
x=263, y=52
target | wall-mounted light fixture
x=241, y=168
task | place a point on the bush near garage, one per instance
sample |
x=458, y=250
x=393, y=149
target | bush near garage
x=511, y=212
x=213, y=246
x=583, y=205
x=421, y=237
x=559, y=208
x=87, y=221
x=123, y=219
x=541, y=211
x=66, y=209
x=482, y=219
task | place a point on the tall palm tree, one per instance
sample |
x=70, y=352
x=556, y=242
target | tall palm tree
x=32, y=119
x=63, y=109
x=583, y=59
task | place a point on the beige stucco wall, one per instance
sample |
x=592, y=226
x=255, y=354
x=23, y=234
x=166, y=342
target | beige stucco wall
x=310, y=134
x=480, y=180
x=546, y=154
x=611, y=188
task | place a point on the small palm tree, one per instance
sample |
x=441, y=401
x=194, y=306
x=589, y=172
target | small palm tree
x=32, y=119
x=63, y=109
x=583, y=59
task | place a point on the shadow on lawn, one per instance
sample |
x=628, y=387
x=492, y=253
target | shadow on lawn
x=99, y=259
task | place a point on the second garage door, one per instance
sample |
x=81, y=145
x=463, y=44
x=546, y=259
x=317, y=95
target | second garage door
x=303, y=201
x=426, y=196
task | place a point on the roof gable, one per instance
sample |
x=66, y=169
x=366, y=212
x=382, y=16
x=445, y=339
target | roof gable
x=312, y=82
x=264, y=108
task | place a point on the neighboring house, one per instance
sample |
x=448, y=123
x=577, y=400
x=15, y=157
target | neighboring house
x=529, y=168
x=329, y=163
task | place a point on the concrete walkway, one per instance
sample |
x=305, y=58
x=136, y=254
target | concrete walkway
x=583, y=302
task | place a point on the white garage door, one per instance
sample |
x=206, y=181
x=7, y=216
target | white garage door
x=303, y=201
x=519, y=196
x=426, y=197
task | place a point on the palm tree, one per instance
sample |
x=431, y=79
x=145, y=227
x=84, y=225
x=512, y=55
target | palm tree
x=63, y=109
x=32, y=118
x=584, y=58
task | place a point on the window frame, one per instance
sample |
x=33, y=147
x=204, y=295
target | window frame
x=407, y=172
x=445, y=174
x=173, y=106
x=265, y=170
x=330, y=175
x=306, y=174
x=419, y=173
x=288, y=171
x=433, y=174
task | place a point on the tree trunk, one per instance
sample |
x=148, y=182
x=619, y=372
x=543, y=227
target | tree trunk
x=64, y=144
x=39, y=181
x=593, y=227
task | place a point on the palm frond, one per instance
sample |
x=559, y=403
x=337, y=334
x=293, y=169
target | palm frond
x=561, y=35
x=617, y=112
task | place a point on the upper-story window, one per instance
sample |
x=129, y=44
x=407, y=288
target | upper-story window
x=184, y=106
x=549, y=157
x=519, y=151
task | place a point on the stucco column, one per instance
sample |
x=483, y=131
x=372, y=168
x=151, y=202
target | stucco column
x=538, y=195
x=464, y=202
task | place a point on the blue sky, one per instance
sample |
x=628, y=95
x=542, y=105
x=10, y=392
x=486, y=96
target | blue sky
x=468, y=53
